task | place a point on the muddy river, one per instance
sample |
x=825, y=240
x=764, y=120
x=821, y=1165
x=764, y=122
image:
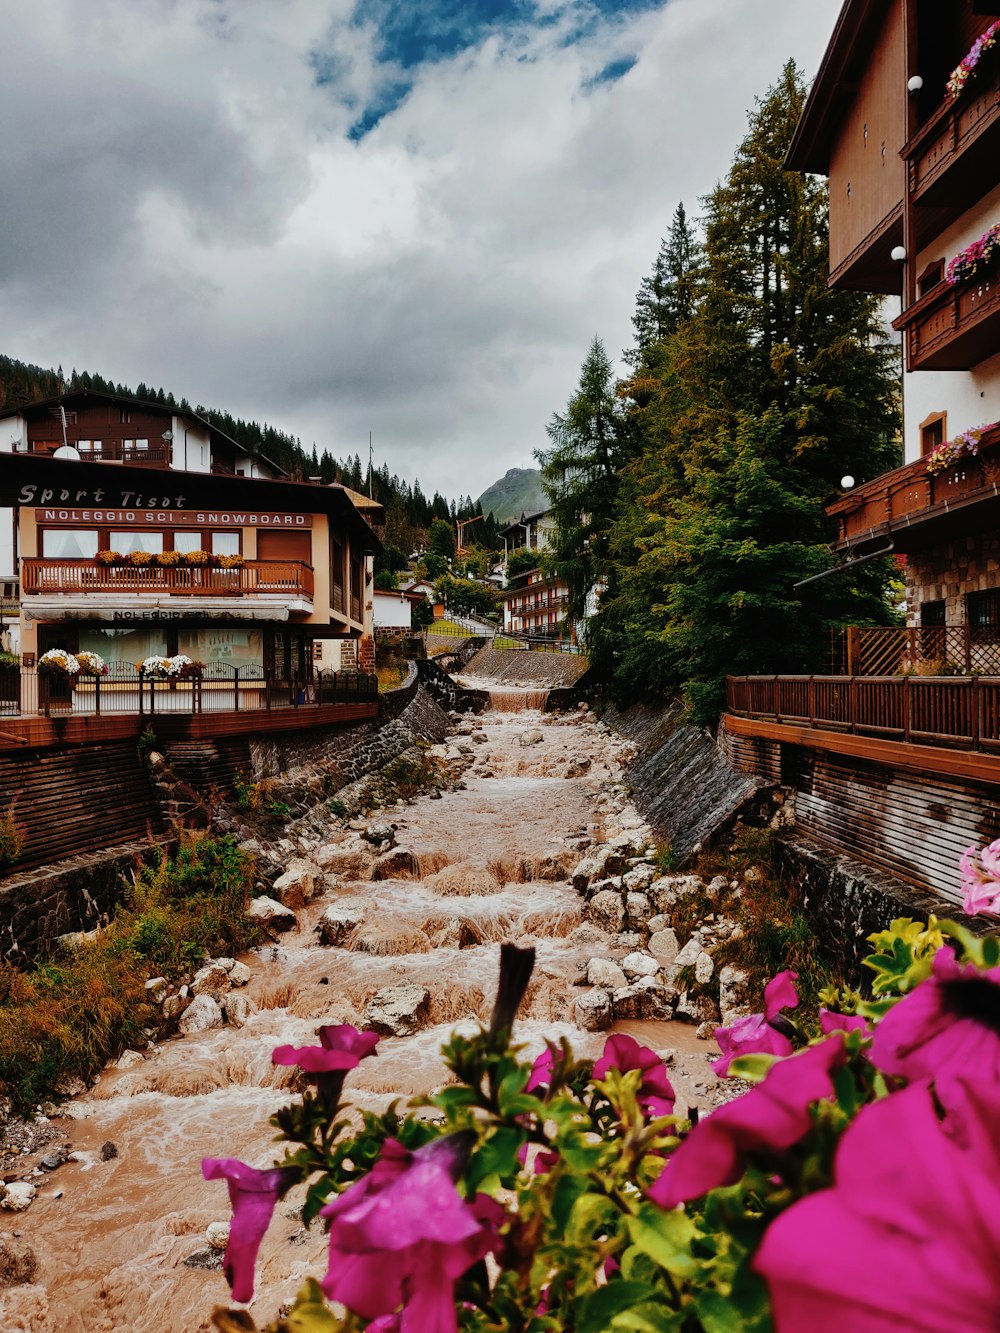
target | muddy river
x=119, y=1233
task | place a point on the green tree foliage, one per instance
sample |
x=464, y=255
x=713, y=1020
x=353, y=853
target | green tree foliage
x=743, y=417
x=580, y=474
x=667, y=297
x=442, y=538
x=520, y=561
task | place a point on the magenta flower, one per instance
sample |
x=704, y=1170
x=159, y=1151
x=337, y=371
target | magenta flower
x=541, y=1071
x=830, y=1021
x=907, y=1237
x=769, y=1119
x=342, y=1048
x=253, y=1195
x=980, y=868
x=622, y=1052
x=949, y=1024
x=760, y=1034
x=402, y=1236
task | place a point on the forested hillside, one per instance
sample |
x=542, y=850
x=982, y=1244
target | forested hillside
x=409, y=512
x=691, y=494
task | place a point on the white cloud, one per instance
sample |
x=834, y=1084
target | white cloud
x=185, y=208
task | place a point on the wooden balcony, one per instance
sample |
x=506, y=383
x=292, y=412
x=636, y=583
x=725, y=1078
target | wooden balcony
x=951, y=160
x=110, y=452
x=900, y=503
x=953, y=328
x=289, y=578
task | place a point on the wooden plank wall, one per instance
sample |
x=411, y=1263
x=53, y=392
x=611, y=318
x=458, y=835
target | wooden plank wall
x=78, y=800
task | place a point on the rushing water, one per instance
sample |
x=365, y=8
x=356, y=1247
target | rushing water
x=112, y=1236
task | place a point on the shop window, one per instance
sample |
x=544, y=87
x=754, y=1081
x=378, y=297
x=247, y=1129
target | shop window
x=187, y=541
x=127, y=645
x=932, y=432
x=69, y=543
x=137, y=540
x=225, y=543
x=234, y=647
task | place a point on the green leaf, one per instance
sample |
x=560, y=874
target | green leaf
x=649, y=1318
x=310, y=1313
x=752, y=1068
x=666, y=1237
x=497, y=1156
x=597, y=1311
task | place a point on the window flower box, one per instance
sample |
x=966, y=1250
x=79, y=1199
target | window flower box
x=952, y=451
x=964, y=70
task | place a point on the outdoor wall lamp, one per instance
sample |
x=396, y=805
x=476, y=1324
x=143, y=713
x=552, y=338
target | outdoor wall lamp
x=898, y=252
x=847, y=482
x=914, y=83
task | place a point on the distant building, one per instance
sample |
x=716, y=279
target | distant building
x=532, y=532
x=535, y=605
x=393, y=610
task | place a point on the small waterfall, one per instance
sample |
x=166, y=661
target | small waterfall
x=517, y=700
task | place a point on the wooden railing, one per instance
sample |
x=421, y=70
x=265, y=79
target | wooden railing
x=111, y=451
x=292, y=578
x=953, y=328
x=945, y=159
x=927, y=650
x=927, y=710
x=907, y=492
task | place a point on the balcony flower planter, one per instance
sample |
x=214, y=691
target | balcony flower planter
x=58, y=664
x=952, y=452
x=965, y=68
x=179, y=667
x=976, y=260
x=108, y=559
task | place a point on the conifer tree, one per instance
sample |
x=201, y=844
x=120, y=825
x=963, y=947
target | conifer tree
x=666, y=298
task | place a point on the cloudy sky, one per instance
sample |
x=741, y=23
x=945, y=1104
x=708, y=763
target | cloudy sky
x=408, y=217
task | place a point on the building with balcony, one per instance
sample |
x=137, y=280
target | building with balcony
x=175, y=540
x=896, y=759
x=531, y=532
x=535, y=605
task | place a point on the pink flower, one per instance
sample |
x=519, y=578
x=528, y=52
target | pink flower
x=342, y=1048
x=829, y=1021
x=767, y=1120
x=541, y=1071
x=253, y=1195
x=907, y=1235
x=402, y=1236
x=757, y=1034
x=980, y=869
x=622, y=1052
x=949, y=1024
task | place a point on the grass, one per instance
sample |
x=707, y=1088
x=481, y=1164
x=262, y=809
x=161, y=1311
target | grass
x=69, y=1016
x=451, y=628
x=390, y=675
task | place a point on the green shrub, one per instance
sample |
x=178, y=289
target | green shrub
x=11, y=839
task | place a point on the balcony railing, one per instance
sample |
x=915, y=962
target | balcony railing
x=217, y=688
x=291, y=578
x=911, y=492
x=927, y=650
x=953, y=328
x=949, y=160
x=109, y=452
x=962, y=712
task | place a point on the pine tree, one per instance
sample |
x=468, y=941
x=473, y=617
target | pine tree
x=667, y=298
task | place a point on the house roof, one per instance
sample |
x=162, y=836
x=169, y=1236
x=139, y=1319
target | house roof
x=849, y=50
x=36, y=480
x=45, y=407
x=525, y=518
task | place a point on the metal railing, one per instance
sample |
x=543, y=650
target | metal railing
x=217, y=688
x=961, y=711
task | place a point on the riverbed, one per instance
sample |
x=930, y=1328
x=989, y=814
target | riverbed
x=119, y=1231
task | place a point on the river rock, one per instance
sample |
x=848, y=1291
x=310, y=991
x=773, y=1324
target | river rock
x=17, y=1196
x=273, y=915
x=638, y=879
x=238, y=1009
x=697, y=1008
x=340, y=919
x=398, y=1011
x=645, y=998
x=347, y=861
x=171, y=1006
x=664, y=947
x=157, y=989
x=688, y=956
x=18, y=1262
x=672, y=889
x=603, y=972
x=217, y=1235
x=399, y=863
x=377, y=834
x=527, y=738
x=456, y=933
x=606, y=910
x=130, y=1060
x=298, y=885
x=212, y=979
x=704, y=968
x=637, y=907
x=594, y=1012
x=239, y=974
x=732, y=994
x=636, y=965
x=202, y=1013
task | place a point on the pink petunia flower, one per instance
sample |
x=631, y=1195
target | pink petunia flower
x=341, y=1048
x=980, y=870
x=253, y=1195
x=402, y=1236
x=541, y=1071
x=769, y=1119
x=622, y=1052
x=906, y=1238
x=949, y=1024
x=830, y=1021
x=760, y=1034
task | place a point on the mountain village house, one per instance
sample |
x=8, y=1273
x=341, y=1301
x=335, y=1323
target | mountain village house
x=534, y=603
x=900, y=757
x=132, y=529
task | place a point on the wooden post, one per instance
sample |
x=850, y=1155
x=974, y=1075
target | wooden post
x=853, y=650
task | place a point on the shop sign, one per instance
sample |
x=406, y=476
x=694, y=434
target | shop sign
x=169, y=518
